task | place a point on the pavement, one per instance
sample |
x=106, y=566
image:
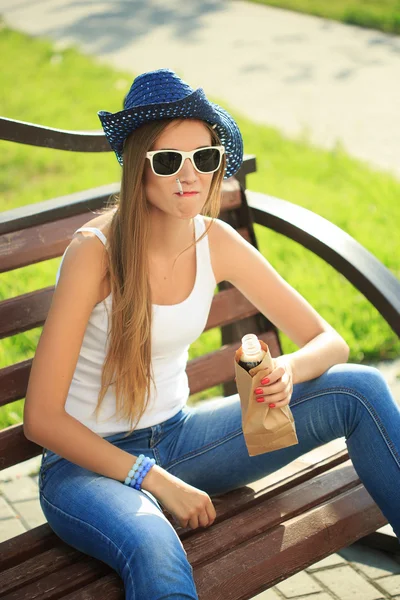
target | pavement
x=329, y=82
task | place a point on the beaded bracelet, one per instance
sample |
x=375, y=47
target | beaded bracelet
x=139, y=471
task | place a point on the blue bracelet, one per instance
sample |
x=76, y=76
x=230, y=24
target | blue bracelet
x=139, y=471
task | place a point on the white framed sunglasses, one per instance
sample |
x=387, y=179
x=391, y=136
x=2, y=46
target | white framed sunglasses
x=165, y=163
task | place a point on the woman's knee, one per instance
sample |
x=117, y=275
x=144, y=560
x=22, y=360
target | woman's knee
x=364, y=380
x=155, y=562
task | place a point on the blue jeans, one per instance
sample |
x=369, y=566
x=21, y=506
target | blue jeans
x=205, y=447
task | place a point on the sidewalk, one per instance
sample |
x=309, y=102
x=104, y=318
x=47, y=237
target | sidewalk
x=354, y=573
x=302, y=74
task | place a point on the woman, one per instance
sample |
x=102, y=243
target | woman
x=133, y=292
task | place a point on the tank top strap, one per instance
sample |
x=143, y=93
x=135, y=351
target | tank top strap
x=96, y=231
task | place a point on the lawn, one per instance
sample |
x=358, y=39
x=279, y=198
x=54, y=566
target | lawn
x=65, y=89
x=375, y=14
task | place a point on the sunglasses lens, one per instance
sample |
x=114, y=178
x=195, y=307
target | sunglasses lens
x=166, y=163
x=207, y=160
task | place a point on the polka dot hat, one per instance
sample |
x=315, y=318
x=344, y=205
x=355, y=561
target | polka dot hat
x=162, y=94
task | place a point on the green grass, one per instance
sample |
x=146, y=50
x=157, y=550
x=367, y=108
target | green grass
x=375, y=14
x=65, y=89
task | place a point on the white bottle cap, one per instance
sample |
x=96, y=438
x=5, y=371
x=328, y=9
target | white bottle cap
x=251, y=344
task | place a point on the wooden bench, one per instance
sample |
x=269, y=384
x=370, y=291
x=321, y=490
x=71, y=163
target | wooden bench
x=264, y=532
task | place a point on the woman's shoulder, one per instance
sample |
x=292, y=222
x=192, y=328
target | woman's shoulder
x=85, y=249
x=101, y=222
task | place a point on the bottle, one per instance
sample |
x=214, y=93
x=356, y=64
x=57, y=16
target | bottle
x=252, y=352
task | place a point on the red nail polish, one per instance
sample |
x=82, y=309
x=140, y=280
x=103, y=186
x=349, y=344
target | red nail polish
x=264, y=381
x=271, y=405
x=260, y=398
x=258, y=391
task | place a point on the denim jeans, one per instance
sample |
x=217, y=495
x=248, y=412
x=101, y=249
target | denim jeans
x=204, y=446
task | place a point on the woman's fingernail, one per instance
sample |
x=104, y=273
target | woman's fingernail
x=264, y=381
x=258, y=391
x=260, y=398
x=271, y=405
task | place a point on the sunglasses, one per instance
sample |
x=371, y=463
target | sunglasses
x=168, y=162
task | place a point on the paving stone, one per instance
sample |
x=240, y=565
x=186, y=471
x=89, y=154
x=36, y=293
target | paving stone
x=322, y=596
x=267, y=595
x=328, y=561
x=24, y=469
x=390, y=584
x=347, y=584
x=10, y=528
x=370, y=561
x=6, y=512
x=30, y=512
x=16, y=490
x=298, y=585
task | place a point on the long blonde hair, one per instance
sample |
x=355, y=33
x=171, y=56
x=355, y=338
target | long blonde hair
x=127, y=363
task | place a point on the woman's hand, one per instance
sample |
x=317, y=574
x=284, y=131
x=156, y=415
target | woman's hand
x=279, y=388
x=188, y=505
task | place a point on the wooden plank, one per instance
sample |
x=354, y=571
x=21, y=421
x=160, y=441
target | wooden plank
x=203, y=372
x=110, y=587
x=57, y=584
x=30, y=310
x=39, y=566
x=14, y=381
x=311, y=464
x=267, y=516
x=87, y=202
x=38, y=243
x=24, y=312
x=15, y=447
x=25, y=545
x=269, y=512
x=227, y=307
x=288, y=548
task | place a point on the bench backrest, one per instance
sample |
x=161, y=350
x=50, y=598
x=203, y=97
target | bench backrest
x=36, y=233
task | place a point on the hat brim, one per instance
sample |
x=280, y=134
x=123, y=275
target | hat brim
x=117, y=126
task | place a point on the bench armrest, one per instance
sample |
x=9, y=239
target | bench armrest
x=336, y=247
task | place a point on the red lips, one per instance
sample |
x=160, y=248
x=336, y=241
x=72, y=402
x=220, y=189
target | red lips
x=187, y=194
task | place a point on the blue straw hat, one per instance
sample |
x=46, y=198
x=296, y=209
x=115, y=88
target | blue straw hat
x=162, y=94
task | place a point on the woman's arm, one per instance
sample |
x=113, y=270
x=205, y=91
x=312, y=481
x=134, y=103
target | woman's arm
x=245, y=267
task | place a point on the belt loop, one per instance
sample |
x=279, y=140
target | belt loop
x=153, y=439
x=156, y=432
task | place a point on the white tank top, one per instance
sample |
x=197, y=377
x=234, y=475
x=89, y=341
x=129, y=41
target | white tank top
x=174, y=328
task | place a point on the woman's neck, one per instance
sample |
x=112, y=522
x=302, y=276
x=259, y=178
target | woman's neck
x=169, y=236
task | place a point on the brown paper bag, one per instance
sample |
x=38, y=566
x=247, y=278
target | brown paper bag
x=265, y=429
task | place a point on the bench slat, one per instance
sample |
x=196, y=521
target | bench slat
x=203, y=372
x=30, y=310
x=14, y=381
x=269, y=513
x=39, y=566
x=49, y=240
x=272, y=556
x=110, y=587
x=320, y=460
x=24, y=312
x=260, y=523
x=58, y=583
